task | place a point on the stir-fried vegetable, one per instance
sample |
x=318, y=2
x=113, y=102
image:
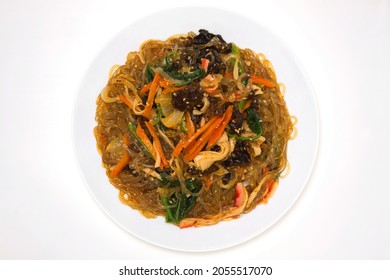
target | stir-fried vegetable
x=193, y=150
x=236, y=52
x=221, y=129
x=195, y=125
x=126, y=101
x=178, y=205
x=254, y=121
x=151, y=96
x=173, y=119
x=254, y=124
x=157, y=119
x=179, y=147
x=145, y=88
x=170, y=72
x=157, y=143
x=172, y=89
x=243, y=104
x=239, y=199
x=184, y=78
x=142, y=139
x=205, y=64
x=183, y=126
x=165, y=102
x=200, y=131
x=262, y=81
x=205, y=159
x=124, y=160
x=149, y=74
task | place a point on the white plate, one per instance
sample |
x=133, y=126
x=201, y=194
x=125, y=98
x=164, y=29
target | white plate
x=301, y=151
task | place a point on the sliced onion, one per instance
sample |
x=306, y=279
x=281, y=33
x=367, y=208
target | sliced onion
x=167, y=77
x=240, y=86
x=113, y=69
x=165, y=101
x=173, y=119
x=105, y=97
x=206, y=104
x=248, y=86
x=115, y=144
x=235, y=70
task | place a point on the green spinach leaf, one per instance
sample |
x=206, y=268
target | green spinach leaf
x=133, y=128
x=253, y=121
x=149, y=74
x=254, y=124
x=179, y=205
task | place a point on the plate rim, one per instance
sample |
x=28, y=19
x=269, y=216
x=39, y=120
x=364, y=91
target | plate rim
x=255, y=233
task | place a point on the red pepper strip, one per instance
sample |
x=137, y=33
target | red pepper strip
x=239, y=199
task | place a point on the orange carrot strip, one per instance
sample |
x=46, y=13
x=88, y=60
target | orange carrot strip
x=190, y=125
x=152, y=94
x=158, y=144
x=211, y=90
x=199, y=132
x=247, y=105
x=179, y=147
x=172, y=89
x=144, y=138
x=201, y=136
x=220, y=130
x=190, y=132
x=126, y=101
x=125, y=140
x=263, y=81
x=123, y=161
x=186, y=223
x=165, y=83
x=195, y=149
x=208, y=182
x=145, y=88
x=237, y=96
x=228, y=75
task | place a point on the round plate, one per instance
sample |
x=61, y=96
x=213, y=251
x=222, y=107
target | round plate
x=300, y=101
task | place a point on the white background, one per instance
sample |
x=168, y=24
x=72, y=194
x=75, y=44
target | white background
x=46, y=212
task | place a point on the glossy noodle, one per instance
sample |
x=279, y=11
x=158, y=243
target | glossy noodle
x=194, y=129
